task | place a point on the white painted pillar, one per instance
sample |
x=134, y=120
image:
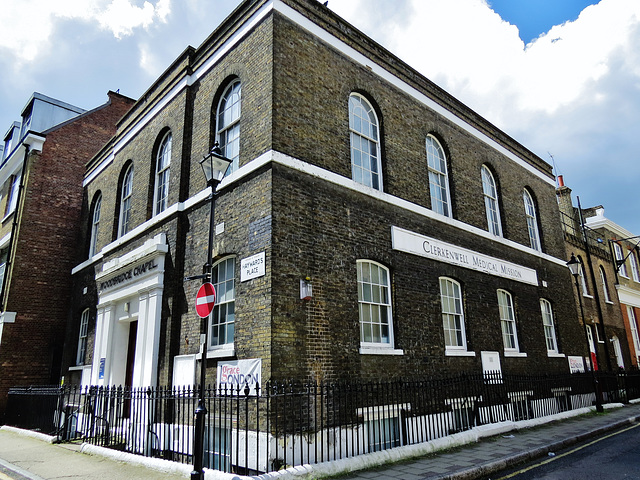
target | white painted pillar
x=102, y=346
x=145, y=371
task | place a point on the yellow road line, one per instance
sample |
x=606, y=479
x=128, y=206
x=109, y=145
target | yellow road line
x=556, y=457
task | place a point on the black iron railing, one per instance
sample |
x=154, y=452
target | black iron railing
x=255, y=430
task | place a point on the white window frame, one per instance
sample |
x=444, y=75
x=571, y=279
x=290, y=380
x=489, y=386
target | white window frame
x=364, y=135
x=532, y=220
x=549, y=326
x=126, y=193
x=374, y=305
x=3, y=266
x=583, y=279
x=453, y=324
x=508, y=321
x=12, y=200
x=619, y=256
x=633, y=260
x=81, y=353
x=95, y=224
x=163, y=170
x=603, y=281
x=491, y=206
x=633, y=326
x=228, y=116
x=439, y=188
x=225, y=304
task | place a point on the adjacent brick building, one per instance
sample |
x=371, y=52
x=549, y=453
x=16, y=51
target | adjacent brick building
x=605, y=330
x=431, y=240
x=41, y=201
x=625, y=277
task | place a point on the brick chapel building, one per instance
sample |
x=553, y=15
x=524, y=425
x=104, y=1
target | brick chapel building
x=41, y=200
x=430, y=239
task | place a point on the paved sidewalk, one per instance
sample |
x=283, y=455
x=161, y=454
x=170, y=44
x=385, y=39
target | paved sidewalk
x=36, y=459
x=496, y=453
x=23, y=457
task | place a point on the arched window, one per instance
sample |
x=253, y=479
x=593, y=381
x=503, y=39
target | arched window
x=452, y=315
x=438, y=177
x=583, y=277
x=620, y=257
x=223, y=318
x=228, y=124
x=126, y=191
x=163, y=162
x=491, y=201
x=603, y=281
x=532, y=220
x=365, y=143
x=508, y=321
x=81, y=353
x=633, y=261
x=95, y=223
x=549, y=327
x=374, y=303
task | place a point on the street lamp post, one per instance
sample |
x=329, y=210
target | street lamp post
x=574, y=268
x=214, y=165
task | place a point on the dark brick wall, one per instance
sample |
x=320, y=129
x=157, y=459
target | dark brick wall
x=311, y=123
x=333, y=229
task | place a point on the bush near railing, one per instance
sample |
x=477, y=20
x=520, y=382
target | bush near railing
x=259, y=429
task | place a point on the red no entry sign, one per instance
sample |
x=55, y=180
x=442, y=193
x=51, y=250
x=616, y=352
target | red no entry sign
x=205, y=300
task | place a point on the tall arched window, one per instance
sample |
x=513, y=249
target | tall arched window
x=228, y=124
x=532, y=220
x=95, y=223
x=365, y=143
x=223, y=318
x=374, y=303
x=126, y=192
x=438, y=177
x=81, y=352
x=605, y=288
x=583, y=277
x=455, y=337
x=549, y=327
x=163, y=162
x=491, y=207
x=508, y=321
x=620, y=257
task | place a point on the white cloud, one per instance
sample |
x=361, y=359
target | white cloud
x=29, y=24
x=574, y=91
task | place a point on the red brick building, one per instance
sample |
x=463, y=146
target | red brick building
x=41, y=201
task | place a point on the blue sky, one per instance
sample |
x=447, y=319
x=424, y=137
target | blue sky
x=535, y=17
x=562, y=77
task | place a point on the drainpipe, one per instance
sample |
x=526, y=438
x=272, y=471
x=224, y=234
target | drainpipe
x=14, y=226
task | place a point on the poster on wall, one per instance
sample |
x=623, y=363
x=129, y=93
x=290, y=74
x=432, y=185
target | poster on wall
x=237, y=374
x=576, y=364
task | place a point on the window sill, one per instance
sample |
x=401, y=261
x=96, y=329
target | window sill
x=458, y=353
x=226, y=352
x=556, y=355
x=380, y=351
x=586, y=295
x=515, y=354
x=609, y=302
